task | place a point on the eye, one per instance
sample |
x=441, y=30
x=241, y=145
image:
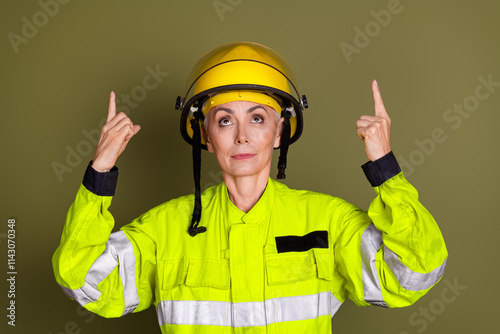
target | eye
x=224, y=121
x=257, y=118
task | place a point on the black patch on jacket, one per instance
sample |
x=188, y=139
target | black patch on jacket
x=294, y=243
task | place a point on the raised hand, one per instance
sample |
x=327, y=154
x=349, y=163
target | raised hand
x=115, y=135
x=375, y=130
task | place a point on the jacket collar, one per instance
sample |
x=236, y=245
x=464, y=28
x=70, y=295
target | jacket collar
x=260, y=211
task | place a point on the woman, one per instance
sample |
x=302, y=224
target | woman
x=258, y=257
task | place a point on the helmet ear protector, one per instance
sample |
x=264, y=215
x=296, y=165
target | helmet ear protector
x=239, y=71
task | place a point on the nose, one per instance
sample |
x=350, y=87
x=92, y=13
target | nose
x=241, y=135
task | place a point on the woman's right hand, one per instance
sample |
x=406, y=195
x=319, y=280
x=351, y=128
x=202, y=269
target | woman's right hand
x=115, y=135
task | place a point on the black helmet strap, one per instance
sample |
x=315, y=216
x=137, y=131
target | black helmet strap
x=285, y=142
x=194, y=229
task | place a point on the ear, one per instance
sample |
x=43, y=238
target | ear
x=277, y=140
x=207, y=140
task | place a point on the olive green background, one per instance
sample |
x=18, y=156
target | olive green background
x=427, y=59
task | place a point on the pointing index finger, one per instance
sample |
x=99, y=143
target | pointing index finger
x=377, y=99
x=112, y=107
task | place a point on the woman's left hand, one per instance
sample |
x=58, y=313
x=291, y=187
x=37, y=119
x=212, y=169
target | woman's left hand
x=375, y=130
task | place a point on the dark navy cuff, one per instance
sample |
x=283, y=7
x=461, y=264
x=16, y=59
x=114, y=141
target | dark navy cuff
x=381, y=170
x=101, y=184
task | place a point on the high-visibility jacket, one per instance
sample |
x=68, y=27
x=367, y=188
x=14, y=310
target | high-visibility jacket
x=286, y=266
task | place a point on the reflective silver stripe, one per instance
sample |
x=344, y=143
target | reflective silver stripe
x=84, y=295
x=102, y=267
x=334, y=305
x=99, y=270
x=298, y=307
x=194, y=312
x=371, y=241
x=125, y=253
x=248, y=314
x=408, y=279
x=118, y=250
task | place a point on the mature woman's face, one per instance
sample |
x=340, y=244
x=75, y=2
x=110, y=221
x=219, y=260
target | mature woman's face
x=242, y=135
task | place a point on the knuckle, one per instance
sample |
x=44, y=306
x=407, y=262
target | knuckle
x=126, y=120
x=122, y=116
x=123, y=128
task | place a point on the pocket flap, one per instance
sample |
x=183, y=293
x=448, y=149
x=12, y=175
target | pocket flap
x=293, y=267
x=173, y=273
x=289, y=268
x=324, y=263
x=209, y=273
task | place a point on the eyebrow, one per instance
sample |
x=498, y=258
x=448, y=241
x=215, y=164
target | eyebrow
x=230, y=111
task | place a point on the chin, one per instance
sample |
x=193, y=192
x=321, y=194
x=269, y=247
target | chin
x=244, y=170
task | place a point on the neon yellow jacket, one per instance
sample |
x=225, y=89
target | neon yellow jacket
x=286, y=266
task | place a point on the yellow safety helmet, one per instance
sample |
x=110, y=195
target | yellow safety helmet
x=239, y=70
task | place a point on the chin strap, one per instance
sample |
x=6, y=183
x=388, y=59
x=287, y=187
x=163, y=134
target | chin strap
x=194, y=229
x=285, y=141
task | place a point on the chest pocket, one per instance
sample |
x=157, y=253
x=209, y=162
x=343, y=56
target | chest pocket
x=293, y=267
x=191, y=272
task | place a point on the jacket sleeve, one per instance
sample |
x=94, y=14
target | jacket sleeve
x=111, y=274
x=393, y=254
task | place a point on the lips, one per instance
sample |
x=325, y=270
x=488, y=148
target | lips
x=243, y=156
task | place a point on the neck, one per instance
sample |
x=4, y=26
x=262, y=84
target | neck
x=245, y=191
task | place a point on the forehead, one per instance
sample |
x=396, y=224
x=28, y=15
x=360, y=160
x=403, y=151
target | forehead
x=238, y=106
